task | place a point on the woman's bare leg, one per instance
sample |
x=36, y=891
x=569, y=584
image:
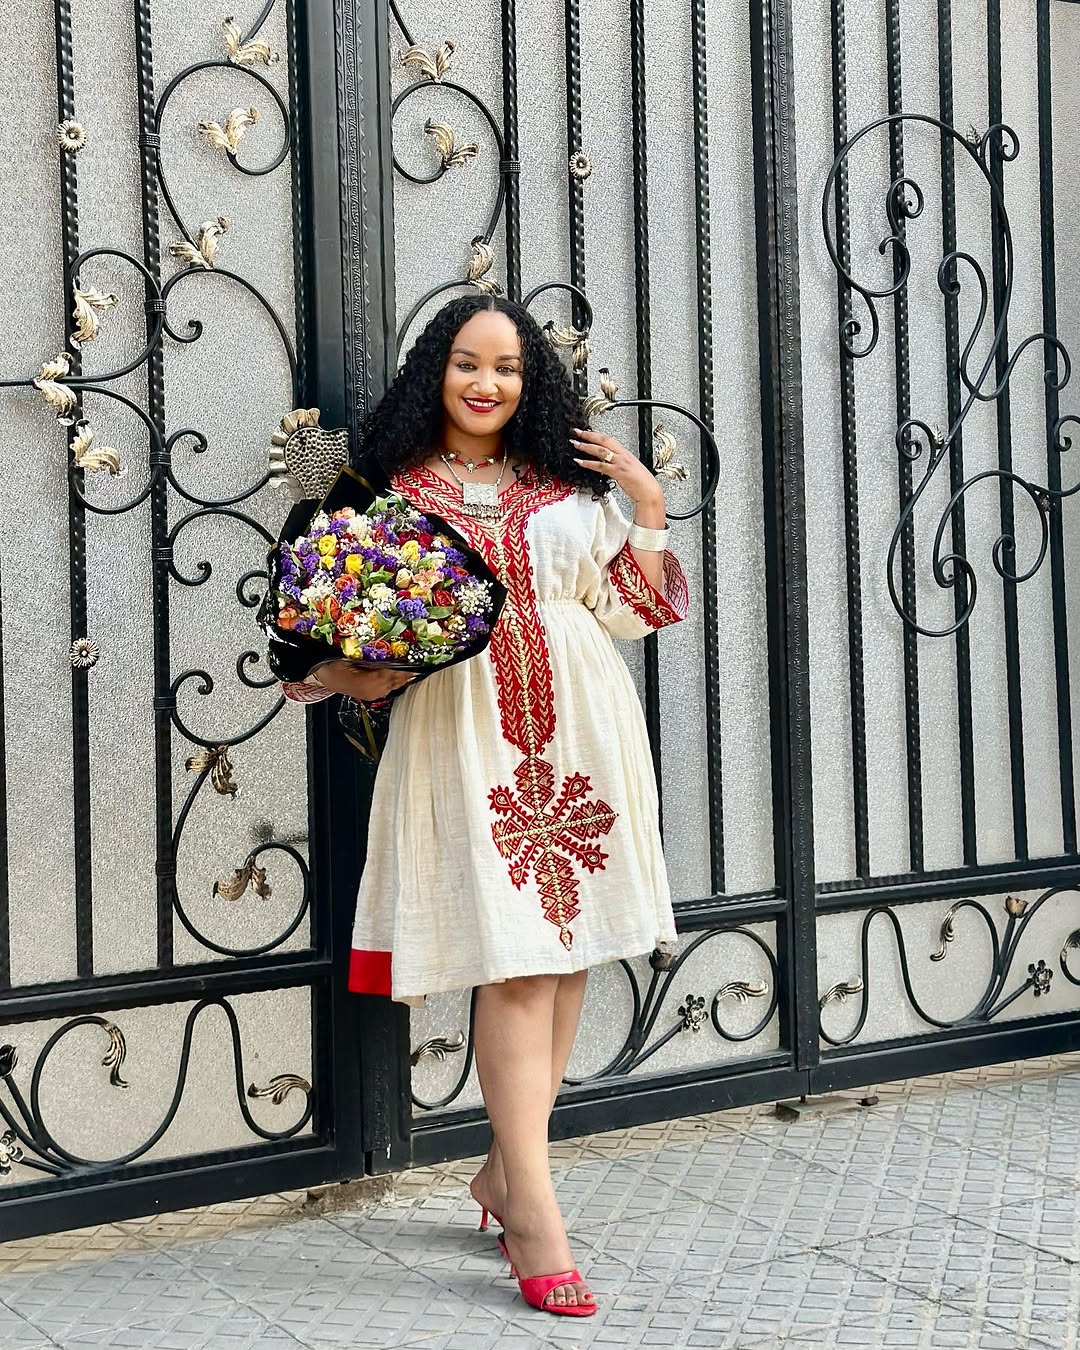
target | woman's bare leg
x=515, y=1061
x=489, y=1184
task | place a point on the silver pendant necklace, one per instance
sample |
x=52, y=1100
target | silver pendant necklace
x=479, y=500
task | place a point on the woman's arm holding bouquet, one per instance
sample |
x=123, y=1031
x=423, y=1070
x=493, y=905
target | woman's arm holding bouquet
x=364, y=684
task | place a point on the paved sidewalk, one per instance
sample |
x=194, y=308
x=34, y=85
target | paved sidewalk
x=946, y=1216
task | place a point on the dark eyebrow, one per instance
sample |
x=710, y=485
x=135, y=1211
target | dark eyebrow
x=462, y=351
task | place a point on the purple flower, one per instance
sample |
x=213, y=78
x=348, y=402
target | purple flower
x=412, y=609
x=475, y=625
x=303, y=625
x=455, y=557
x=374, y=654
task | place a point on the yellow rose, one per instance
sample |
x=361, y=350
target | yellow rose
x=354, y=564
x=351, y=648
x=410, y=551
x=327, y=545
x=400, y=650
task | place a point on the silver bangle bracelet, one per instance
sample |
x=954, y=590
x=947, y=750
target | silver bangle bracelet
x=649, y=541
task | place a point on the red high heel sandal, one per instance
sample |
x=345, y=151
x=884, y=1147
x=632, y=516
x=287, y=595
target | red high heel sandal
x=485, y=1214
x=535, y=1289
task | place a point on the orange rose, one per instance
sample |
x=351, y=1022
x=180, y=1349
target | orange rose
x=287, y=618
x=342, y=582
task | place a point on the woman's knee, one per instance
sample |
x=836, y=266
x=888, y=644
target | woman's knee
x=524, y=989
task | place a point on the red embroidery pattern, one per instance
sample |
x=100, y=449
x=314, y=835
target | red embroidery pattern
x=532, y=834
x=305, y=691
x=647, y=603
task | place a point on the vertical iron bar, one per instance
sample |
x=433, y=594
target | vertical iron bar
x=80, y=694
x=779, y=347
x=301, y=250
x=902, y=348
x=1057, y=552
x=848, y=425
x=964, y=728
x=706, y=408
x=576, y=188
x=1002, y=283
x=510, y=144
x=643, y=301
x=5, y=923
x=161, y=550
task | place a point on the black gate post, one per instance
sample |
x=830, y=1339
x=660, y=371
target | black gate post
x=785, y=518
x=352, y=336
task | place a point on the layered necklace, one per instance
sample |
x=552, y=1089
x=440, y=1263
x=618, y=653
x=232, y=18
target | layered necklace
x=479, y=500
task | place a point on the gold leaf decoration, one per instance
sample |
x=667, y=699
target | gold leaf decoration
x=665, y=465
x=439, y=1047
x=1015, y=906
x=232, y=888
x=603, y=402
x=84, y=653
x=204, y=252
x=91, y=458
x=217, y=761
x=947, y=934
x=577, y=341
x=480, y=264
x=229, y=136
x=431, y=65
x=840, y=993
x=453, y=155
x=279, y=1088
x=580, y=166
x=742, y=990
x=115, y=1055
x=242, y=53
x=88, y=305
x=58, y=396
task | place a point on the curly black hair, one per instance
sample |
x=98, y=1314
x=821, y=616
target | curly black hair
x=407, y=425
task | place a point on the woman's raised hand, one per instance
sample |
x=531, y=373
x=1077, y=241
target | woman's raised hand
x=365, y=683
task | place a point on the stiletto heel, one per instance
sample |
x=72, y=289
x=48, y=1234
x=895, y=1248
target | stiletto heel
x=485, y=1215
x=501, y=1240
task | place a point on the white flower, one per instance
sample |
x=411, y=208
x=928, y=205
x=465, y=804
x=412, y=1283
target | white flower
x=433, y=630
x=321, y=521
x=436, y=560
x=381, y=595
x=359, y=527
x=474, y=598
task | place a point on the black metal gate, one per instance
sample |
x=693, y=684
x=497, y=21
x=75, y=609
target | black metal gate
x=829, y=732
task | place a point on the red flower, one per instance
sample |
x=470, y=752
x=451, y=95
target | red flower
x=443, y=598
x=427, y=540
x=342, y=582
x=407, y=636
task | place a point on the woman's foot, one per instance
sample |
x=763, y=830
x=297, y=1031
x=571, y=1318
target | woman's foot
x=488, y=1189
x=540, y=1247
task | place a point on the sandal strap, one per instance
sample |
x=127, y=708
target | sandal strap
x=539, y=1286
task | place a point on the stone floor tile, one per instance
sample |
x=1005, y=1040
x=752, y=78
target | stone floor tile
x=1049, y=1223
x=985, y=1273
x=16, y=1333
x=30, y=1255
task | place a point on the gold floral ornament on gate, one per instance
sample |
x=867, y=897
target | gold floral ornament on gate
x=433, y=66
x=50, y=384
x=242, y=53
x=229, y=136
x=203, y=252
x=665, y=464
x=216, y=762
x=306, y=458
x=453, y=156
x=279, y=1088
x=572, y=339
x=71, y=135
x=89, y=304
x=232, y=888
x=480, y=264
x=91, y=458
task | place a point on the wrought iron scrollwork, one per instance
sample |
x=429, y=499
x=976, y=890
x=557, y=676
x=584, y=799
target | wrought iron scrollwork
x=916, y=439
x=26, y=1139
x=994, y=999
x=643, y=1038
x=432, y=69
x=65, y=387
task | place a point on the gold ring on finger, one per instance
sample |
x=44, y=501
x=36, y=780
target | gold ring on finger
x=609, y=456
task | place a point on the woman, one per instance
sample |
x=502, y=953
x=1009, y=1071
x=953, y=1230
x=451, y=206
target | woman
x=513, y=838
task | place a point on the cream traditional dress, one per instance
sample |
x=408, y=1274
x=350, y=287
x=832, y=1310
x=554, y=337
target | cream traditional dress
x=514, y=824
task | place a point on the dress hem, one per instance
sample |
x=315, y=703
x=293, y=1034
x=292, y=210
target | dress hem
x=453, y=982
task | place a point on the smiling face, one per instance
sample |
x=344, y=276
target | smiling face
x=483, y=381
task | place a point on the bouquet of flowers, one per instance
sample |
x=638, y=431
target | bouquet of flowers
x=384, y=586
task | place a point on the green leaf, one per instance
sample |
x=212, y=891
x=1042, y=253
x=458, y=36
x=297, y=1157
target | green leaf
x=440, y=612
